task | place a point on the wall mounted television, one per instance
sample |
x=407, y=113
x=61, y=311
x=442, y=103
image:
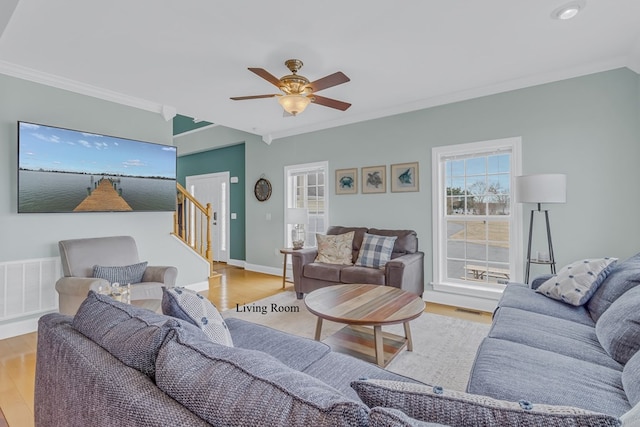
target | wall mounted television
x=65, y=170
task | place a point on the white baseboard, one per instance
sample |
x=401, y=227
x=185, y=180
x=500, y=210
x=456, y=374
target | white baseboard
x=274, y=271
x=457, y=300
x=21, y=326
x=237, y=263
x=199, y=286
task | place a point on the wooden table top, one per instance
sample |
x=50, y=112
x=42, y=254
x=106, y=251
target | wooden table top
x=356, y=304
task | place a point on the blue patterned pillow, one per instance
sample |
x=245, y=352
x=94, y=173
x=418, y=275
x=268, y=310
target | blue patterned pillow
x=192, y=307
x=375, y=250
x=121, y=274
x=576, y=283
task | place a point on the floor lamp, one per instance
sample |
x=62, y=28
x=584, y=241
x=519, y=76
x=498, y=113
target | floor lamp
x=539, y=189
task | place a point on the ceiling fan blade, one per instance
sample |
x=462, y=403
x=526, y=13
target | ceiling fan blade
x=331, y=80
x=328, y=102
x=267, y=76
x=241, y=98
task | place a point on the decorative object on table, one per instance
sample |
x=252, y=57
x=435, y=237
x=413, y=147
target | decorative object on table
x=347, y=181
x=298, y=217
x=404, y=177
x=262, y=189
x=117, y=291
x=538, y=189
x=374, y=179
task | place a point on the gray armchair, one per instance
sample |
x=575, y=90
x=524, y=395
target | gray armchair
x=404, y=271
x=79, y=256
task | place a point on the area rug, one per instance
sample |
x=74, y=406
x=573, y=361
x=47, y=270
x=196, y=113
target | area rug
x=443, y=347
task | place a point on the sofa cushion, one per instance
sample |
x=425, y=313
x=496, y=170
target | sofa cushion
x=192, y=307
x=552, y=334
x=623, y=276
x=631, y=379
x=520, y=296
x=295, y=352
x=322, y=271
x=435, y=404
x=233, y=386
x=335, y=249
x=133, y=335
x=121, y=274
x=576, y=283
x=351, y=369
x=406, y=242
x=389, y=417
x=375, y=251
x=355, y=274
x=511, y=371
x=618, y=328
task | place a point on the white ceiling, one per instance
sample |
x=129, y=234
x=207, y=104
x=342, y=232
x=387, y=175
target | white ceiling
x=192, y=55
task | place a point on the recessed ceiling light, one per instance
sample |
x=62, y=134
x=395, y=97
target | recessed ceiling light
x=569, y=10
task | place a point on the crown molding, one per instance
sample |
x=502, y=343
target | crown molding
x=64, y=83
x=529, y=81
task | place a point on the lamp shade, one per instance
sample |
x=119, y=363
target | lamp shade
x=297, y=216
x=541, y=188
x=294, y=104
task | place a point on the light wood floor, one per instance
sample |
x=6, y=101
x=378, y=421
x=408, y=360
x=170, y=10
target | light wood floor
x=236, y=286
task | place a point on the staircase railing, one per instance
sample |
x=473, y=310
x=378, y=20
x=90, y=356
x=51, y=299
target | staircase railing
x=192, y=225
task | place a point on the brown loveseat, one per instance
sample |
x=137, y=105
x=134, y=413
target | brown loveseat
x=404, y=271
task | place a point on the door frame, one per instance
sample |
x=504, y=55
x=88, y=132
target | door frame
x=225, y=175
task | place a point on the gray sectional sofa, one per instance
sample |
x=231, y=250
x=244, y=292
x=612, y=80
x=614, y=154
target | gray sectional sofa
x=544, y=363
x=404, y=271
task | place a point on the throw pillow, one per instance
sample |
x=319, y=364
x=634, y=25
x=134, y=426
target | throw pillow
x=575, y=283
x=192, y=307
x=131, y=334
x=121, y=274
x=335, y=248
x=618, y=329
x=434, y=404
x=232, y=386
x=375, y=250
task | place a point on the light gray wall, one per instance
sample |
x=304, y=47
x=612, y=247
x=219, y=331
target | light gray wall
x=585, y=127
x=28, y=236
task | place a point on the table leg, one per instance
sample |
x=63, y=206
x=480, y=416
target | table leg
x=377, y=336
x=407, y=334
x=318, y=328
x=284, y=271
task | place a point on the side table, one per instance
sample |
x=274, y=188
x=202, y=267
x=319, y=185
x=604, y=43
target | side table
x=285, y=252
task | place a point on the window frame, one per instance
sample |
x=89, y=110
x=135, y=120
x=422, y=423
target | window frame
x=290, y=195
x=440, y=282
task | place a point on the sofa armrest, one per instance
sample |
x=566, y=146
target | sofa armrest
x=535, y=283
x=300, y=258
x=406, y=272
x=161, y=274
x=73, y=290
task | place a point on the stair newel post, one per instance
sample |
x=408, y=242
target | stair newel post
x=209, y=253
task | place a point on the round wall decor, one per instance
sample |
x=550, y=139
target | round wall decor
x=262, y=189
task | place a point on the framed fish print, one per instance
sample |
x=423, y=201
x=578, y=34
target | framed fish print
x=374, y=179
x=404, y=177
x=347, y=181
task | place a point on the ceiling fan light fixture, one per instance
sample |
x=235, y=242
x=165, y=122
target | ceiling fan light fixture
x=294, y=104
x=569, y=10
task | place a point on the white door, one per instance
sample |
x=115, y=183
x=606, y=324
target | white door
x=214, y=188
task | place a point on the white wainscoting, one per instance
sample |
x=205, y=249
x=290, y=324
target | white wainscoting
x=27, y=290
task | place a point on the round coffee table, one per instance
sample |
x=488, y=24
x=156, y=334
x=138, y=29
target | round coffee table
x=366, y=305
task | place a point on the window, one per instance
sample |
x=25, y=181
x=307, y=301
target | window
x=476, y=224
x=306, y=188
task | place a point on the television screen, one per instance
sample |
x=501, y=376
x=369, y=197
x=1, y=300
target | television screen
x=64, y=170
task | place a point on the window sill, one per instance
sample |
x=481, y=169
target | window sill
x=492, y=292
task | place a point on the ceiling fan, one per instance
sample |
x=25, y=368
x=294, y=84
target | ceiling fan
x=297, y=91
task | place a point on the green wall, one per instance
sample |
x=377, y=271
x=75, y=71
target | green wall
x=586, y=127
x=221, y=160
